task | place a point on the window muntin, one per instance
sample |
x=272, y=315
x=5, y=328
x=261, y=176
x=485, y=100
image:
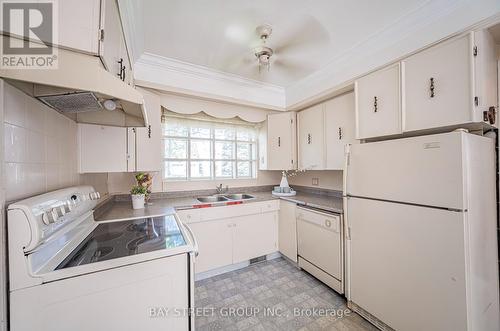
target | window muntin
x=197, y=150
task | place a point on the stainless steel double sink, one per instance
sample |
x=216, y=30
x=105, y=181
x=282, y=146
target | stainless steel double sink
x=225, y=197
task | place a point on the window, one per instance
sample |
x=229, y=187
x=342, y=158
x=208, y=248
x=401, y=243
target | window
x=196, y=149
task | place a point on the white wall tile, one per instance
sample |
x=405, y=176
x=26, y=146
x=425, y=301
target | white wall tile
x=14, y=143
x=35, y=115
x=40, y=146
x=35, y=147
x=14, y=105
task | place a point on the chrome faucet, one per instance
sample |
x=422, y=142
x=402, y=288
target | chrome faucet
x=220, y=190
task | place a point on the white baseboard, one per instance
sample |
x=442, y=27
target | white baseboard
x=231, y=267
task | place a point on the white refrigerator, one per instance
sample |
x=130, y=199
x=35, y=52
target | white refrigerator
x=421, y=232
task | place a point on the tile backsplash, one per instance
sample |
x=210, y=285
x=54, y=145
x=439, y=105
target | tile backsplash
x=40, y=146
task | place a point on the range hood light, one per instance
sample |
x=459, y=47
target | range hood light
x=109, y=104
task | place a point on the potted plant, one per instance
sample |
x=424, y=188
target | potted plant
x=138, y=193
x=145, y=180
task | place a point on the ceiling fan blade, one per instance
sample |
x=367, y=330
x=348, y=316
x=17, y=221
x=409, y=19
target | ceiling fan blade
x=310, y=32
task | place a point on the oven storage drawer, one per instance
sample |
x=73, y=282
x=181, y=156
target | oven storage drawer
x=319, y=240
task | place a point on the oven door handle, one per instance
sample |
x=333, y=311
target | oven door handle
x=192, y=239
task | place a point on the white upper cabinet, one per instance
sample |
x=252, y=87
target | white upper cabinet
x=102, y=148
x=148, y=140
x=280, y=150
x=311, y=138
x=112, y=46
x=449, y=84
x=378, y=103
x=79, y=25
x=339, y=129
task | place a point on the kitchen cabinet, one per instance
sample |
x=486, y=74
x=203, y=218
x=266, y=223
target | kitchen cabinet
x=93, y=27
x=378, y=103
x=311, y=138
x=434, y=97
x=287, y=230
x=280, y=137
x=113, y=149
x=148, y=154
x=102, y=148
x=112, y=46
x=215, y=244
x=339, y=129
x=232, y=234
x=254, y=235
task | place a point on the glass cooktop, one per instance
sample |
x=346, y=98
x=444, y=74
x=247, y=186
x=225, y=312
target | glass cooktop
x=124, y=238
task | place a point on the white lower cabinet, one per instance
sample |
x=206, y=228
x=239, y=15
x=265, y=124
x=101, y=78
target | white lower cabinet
x=254, y=235
x=215, y=242
x=287, y=230
x=231, y=234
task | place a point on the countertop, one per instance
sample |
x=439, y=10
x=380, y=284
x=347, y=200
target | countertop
x=112, y=209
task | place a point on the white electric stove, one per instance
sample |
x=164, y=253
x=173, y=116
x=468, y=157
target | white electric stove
x=68, y=272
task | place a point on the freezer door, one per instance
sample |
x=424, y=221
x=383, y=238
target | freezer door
x=427, y=170
x=406, y=264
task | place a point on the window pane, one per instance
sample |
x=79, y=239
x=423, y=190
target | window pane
x=244, y=151
x=224, y=150
x=200, y=132
x=201, y=149
x=227, y=133
x=201, y=169
x=175, y=148
x=174, y=128
x=244, y=169
x=175, y=169
x=246, y=134
x=224, y=169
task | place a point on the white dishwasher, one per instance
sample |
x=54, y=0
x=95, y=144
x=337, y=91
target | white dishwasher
x=321, y=246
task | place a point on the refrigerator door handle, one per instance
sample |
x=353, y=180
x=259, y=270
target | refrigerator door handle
x=347, y=161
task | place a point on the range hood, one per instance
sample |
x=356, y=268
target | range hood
x=83, y=90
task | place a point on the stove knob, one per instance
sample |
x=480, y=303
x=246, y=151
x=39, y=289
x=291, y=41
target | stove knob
x=68, y=207
x=46, y=218
x=98, y=195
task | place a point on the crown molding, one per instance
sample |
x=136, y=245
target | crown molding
x=181, y=77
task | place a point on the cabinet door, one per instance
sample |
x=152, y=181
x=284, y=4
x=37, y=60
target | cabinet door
x=281, y=141
x=148, y=139
x=79, y=25
x=339, y=129
x=215, y=243
x=378, y=104
x=254, y=236
x=287, y=230
x=437, y=86
x=102, y=148
x=311, y=138
x=131, y=149
x=110, y=48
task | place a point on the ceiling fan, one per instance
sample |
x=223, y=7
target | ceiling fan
x=307, y=34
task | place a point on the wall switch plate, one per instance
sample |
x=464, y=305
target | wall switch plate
x=315, y=181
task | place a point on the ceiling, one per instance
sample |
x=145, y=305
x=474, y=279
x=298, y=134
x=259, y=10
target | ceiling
x=307, y=35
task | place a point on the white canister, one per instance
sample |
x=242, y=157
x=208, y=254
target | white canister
x=137, y=201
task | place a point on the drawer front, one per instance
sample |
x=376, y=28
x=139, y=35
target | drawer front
x=189, y=215
x=268, y=206
x=214, y=213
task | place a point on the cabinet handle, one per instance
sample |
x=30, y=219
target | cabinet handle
x=149, y=131
x=121, y=72
x=340, y=133
x=375, y=104
x=279, y=141
x=309, y=139
x=431, y=87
